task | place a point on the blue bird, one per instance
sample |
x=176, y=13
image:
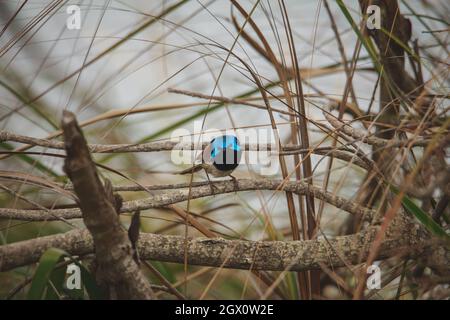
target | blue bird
x=219, y=158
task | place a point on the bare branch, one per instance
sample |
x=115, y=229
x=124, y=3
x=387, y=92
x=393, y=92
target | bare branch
x=156, y=146
x=368, y=138
x=116, y=269
x=217, y=252
x=197, y=191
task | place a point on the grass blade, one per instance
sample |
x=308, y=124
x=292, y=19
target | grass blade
x=424, y=218
x=47, y=264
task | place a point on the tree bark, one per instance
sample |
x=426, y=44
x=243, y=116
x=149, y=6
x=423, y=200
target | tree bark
x=240, y=254
x=116, y=269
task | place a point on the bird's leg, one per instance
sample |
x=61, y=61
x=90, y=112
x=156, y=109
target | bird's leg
x=211, y=185
x=133, y=234
x=236, y=184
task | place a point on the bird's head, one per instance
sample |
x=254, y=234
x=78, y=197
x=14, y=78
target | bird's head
x=225, y=152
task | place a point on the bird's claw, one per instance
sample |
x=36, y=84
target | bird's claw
x=235, y=182
x=212, y=186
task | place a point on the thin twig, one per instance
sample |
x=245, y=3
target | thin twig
x=197, y=191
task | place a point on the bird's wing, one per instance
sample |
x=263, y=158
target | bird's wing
x=206, y=155
x=192, y=169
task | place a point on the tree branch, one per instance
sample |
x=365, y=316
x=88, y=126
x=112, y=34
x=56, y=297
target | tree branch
x=366, y=137
x=156, y=146
x=217, y=252
x=115, y=268
x=199, y=191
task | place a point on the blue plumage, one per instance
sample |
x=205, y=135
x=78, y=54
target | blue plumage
x=225, y=153
x=220, y=157
x=224, y=142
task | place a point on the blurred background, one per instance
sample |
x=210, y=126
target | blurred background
x=117, y=83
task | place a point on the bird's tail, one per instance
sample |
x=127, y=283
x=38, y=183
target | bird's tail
x=193, y=169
